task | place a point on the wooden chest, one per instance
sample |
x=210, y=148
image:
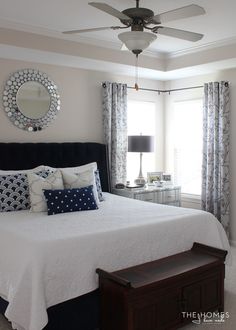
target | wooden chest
x=155, y=295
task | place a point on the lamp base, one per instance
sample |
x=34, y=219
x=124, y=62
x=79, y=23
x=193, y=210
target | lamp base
x=140, y=181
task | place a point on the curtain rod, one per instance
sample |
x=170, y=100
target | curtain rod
x=159, y=91
x=167, y=90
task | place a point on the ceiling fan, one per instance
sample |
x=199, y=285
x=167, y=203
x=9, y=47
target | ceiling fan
x=139, y=19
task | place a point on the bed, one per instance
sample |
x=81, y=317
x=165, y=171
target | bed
x=59, y=289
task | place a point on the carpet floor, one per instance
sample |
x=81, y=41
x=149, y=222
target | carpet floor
x=230, y=304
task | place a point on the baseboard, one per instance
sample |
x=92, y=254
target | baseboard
x=233, y=243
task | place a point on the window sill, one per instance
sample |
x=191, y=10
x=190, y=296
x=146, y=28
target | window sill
x=191, y=198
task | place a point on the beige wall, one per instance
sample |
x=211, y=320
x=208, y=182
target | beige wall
x=229, y=75
x=80, y=118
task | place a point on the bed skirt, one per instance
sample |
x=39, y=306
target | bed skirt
x=81, y=313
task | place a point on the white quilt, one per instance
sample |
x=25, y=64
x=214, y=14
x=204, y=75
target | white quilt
x=45, y=260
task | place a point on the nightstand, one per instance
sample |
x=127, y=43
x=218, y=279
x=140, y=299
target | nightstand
x=170, y=195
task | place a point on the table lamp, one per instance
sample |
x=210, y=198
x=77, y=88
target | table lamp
x=140, y=143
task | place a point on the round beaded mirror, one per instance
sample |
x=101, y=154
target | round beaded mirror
x=31, y=100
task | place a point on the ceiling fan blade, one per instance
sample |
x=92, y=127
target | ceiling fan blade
x=181, y=34
x=91, y=30
x=110, y=10
x=179, y=13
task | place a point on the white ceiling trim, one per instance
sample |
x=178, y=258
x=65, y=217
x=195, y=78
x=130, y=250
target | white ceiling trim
x=209, y=46
x=52, y=58
x=115, y=45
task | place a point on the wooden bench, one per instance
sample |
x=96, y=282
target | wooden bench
x=154, y=295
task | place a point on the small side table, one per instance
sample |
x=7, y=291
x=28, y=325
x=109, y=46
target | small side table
x=170, y=195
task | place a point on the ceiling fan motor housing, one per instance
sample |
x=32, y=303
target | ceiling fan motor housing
x=140, y=17
x=141, y=14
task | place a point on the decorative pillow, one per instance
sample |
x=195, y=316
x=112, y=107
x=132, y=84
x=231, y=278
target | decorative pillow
x=14, y=192
x=10, y=172
x=84, y=168
x=81, y=168
x=98, y=185
x=70, y=200
x=79, y=180
x=36, y=186
x=45, y=172
x=77, y=169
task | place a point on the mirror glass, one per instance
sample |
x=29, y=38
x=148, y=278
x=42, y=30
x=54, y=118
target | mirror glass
x=33, y=100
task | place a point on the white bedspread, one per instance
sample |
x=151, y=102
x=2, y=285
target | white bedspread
x=45, y=260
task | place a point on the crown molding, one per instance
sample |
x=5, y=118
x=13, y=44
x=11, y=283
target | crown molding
x=110, y=44
x=205, y=47
x=11, y=52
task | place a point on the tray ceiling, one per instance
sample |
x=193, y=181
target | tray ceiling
x=54, y=16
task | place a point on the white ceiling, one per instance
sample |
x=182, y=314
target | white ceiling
x=54, y=16
x=51, y=17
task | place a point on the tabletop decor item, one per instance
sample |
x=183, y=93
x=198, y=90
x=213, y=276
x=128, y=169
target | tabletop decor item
x=154, y=177
x=167, y=179
x=140, y=143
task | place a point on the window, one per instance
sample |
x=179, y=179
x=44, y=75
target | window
x=187, y=145
x=141, y=119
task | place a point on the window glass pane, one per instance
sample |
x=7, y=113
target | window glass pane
x=187, y=137
x=141, y=120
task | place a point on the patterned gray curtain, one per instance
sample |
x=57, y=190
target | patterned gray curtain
x=115, y=129
x=216, y=140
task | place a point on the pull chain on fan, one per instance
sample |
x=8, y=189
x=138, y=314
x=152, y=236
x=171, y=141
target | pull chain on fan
x=136, y=86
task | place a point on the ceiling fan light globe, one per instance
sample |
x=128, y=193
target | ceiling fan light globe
x=137, y=41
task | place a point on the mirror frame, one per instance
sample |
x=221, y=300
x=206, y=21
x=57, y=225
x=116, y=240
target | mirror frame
x=13, y=84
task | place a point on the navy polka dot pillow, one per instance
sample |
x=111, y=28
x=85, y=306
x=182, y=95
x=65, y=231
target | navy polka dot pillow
x=70, y=200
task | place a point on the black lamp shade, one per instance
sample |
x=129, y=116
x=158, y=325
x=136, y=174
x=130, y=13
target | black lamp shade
x=140, y=143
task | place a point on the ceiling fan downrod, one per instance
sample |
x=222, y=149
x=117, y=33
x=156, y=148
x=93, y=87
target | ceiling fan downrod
x=137, y=3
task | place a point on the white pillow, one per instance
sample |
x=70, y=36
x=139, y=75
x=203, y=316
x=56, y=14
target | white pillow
x=36, y=186
x=36, y=169
x=78, y=169
x=79, y=180
x=82, y=168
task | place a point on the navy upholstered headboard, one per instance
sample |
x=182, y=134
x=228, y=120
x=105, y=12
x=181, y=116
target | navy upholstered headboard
x=18, y=156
